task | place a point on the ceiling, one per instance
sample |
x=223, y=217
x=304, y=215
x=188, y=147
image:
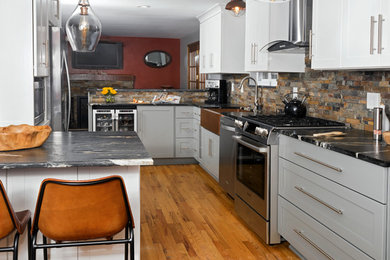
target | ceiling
x=164, y=18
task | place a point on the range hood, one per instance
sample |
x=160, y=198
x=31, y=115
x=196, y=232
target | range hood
x=299, y=27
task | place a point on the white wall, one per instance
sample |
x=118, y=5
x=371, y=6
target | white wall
x=194, y=37
x=16, y=63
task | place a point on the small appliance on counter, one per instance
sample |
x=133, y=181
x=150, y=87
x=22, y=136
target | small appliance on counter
x=218, y=92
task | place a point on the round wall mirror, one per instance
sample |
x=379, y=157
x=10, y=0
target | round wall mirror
x=157, y=59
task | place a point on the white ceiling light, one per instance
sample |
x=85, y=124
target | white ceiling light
x=144, y=6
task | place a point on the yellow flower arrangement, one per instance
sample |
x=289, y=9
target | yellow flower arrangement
x=109, y=92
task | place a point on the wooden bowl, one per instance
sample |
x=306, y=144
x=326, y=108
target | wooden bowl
x=16, y=137
x=386, y=137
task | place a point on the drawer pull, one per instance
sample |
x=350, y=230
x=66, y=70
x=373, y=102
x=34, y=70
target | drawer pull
x=319, y=162
x=338, y=211
x=313, y=244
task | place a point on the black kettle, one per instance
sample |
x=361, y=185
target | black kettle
x=294, y=106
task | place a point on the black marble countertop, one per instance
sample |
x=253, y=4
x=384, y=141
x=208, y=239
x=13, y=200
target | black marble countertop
x=120, y=104
x=79, y=149
x=150, y=90
x=356, y=143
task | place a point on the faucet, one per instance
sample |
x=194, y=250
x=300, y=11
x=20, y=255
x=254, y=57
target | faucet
x=257, y=106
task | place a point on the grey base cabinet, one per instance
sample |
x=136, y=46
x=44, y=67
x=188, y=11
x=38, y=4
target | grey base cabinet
x=156, y=130
x=331, y=206
x=209, y=152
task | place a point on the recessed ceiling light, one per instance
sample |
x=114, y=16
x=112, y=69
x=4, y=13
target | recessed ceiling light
x=143, y=6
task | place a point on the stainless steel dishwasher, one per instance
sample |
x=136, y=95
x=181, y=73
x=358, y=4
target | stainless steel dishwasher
x=227, y=150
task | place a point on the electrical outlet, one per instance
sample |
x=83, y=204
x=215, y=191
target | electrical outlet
x=373, y=100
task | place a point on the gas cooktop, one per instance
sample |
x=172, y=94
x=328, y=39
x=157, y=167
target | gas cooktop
x=265, y=128
x=282, y=121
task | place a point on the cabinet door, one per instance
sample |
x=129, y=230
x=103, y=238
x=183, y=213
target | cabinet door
x=54, y=13
x=41, y=38
x=202, y=48
x=252, y=19
x=212, y=36
x=210, y=152
x=360, y=34
x=385, y=37
x=326, y=44
x=156, y=130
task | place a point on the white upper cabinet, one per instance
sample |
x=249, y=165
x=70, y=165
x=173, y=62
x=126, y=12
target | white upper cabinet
x=266, y=22
x=351, y=34
x=360, y=36
x=221, y=41
x=326, y=36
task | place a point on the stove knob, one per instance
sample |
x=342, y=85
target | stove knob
x=238, y=123
x=261, y=131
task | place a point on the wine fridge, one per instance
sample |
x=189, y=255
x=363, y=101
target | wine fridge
x=114, y=120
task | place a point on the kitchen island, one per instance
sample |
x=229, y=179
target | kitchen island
x=75, y=156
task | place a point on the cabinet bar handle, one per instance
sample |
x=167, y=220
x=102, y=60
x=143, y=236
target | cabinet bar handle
x=310, y=44
x=254, y=53
x=372, y=24
x=312, y=243
x=211, y=60
x=380, y=33
x=57, y=15
x=252, y=47
x=338, y=211
x=319, y=162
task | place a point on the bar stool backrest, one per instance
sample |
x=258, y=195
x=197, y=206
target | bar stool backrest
x=80, y=210
x=7, y=224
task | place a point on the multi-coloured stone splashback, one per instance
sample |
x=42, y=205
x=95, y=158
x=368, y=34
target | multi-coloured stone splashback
x=334, y=95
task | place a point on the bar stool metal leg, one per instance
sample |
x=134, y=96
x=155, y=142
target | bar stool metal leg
x=15, y=249
x=45, y=249
x=126, y=244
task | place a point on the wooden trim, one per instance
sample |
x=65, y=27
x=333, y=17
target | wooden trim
x=193, y=46
x=102, y=77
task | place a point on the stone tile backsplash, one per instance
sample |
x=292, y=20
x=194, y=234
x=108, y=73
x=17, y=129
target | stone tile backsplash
x=334, y=95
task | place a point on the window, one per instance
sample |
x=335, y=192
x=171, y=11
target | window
x=195, y=79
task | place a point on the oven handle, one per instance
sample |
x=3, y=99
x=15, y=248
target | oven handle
x=263, y=149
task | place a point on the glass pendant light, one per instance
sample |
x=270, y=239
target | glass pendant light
x=236, y=6
x=83, y=28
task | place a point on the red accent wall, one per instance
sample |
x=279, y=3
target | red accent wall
x=134, y=49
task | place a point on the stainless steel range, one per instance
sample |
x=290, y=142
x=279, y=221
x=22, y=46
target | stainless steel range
x=257, y=167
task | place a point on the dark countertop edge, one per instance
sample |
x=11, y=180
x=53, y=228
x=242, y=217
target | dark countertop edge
x=150, y=90
x=100, y=163
x=201, y=105
x=329, y=146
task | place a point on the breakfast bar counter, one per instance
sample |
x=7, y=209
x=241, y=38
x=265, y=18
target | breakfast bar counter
x=75, y=156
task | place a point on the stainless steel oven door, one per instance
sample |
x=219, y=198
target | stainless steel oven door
x=252, y=175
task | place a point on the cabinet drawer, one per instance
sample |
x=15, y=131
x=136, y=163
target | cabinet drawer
x=356, y=218
x=184, y=112
x=184, y=128
x=361, y=176
x=310, y=238
x=185, y=147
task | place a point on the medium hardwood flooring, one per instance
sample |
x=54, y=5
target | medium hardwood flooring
x=186, y=215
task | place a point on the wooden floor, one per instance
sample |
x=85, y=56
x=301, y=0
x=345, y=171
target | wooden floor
x=186, y=215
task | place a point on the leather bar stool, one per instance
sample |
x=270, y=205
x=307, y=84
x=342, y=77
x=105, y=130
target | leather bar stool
x=10, y=221
x=82, y=213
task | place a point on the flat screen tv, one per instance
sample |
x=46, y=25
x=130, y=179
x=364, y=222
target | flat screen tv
x=108, y=55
